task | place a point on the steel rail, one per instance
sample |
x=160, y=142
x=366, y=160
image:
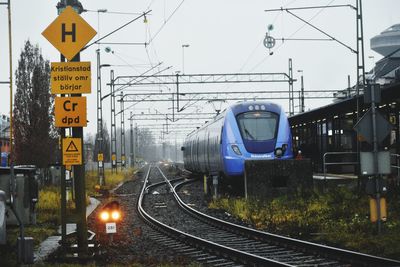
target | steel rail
x=196, y=241
x=331, y=252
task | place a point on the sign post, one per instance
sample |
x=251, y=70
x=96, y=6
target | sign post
x=69, y=33
x=374, y=128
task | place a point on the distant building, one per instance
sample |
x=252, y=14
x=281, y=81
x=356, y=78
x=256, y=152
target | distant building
x=388, y=42
x=386, y=70
x=4, y=133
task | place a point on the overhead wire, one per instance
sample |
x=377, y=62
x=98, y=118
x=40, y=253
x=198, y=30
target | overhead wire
x=261, y=42
x=152, y=45
x=294, y=33
x=166, y=21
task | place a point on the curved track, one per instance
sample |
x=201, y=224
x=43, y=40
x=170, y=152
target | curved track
x=230, y=243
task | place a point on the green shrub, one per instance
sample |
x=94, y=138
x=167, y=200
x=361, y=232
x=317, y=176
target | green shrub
x=111, y=179
x=339, y=217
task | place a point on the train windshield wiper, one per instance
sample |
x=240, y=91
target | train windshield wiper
x=248, y=134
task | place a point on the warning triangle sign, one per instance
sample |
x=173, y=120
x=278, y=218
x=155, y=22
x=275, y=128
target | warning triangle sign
x=72, y=151
x=72, y=147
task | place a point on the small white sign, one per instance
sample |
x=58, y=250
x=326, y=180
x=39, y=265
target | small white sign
x=111, y=228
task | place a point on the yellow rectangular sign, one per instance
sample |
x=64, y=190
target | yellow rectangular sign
x=72, y=151
x=100, y=157
x=70, y=112
x=70, y=78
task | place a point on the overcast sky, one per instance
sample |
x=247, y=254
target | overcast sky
x=224, y=36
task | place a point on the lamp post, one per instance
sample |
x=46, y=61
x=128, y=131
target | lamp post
x=183, y=57
x=301, y=92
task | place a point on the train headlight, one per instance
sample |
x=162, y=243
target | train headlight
x=236, y=149
x=278, y=152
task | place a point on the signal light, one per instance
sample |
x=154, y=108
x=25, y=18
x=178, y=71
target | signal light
x=110, y=212
x=115, y=215
x=104, y=216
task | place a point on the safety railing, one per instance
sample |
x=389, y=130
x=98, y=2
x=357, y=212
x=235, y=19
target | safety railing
x=395, y=166
x=325, y=163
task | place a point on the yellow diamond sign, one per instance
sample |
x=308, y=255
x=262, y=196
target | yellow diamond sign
x=69, y=33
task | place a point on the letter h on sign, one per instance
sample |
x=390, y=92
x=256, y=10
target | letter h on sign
x=64, y=32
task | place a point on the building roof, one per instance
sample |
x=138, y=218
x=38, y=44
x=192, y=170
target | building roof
x=386, y=65
x=389, y=94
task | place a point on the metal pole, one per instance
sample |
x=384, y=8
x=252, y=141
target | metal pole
x=11, y=83
x=291, y=95
x=348, y=86
x=360, y=68
x=375, y=156
x=173, y=108
x=113, y=134
x=122, y=132
x=302, y=95
x=177, y=92
x=115, y=129
x=100, y=163
x=131, y=146
x=63, y=186
x=11, y=155
x=135, y=143
x=183, y=59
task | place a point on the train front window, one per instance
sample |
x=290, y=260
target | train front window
x=258, y=126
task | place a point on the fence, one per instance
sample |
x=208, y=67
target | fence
x=395, y=165
x=341, y=163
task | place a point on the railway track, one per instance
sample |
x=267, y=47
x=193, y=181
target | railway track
x=219, y=243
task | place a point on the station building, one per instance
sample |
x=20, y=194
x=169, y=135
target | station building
x=328, y=131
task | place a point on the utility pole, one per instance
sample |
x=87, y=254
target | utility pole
x=291, y=93
x=23, y=255
x=132, y=156
x=122, y=132
x=360, y=55
x=100, y=155
x=302, y=107
x=11, y=84
x=113, y=126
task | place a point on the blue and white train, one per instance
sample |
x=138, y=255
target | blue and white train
x=246, y=130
